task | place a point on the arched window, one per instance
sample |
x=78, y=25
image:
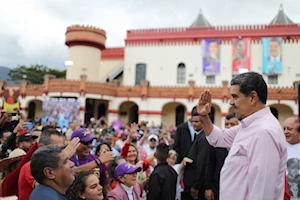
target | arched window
x=179, y=115
x=140, y=73
x=181, y=73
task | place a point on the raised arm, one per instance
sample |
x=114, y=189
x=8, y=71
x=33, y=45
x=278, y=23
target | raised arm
x=215, y=136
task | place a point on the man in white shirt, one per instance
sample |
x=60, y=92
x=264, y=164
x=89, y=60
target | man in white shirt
x=293, y=157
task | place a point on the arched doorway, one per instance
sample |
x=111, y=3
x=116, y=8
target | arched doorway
x=95, y=108
x=180, y=112
x=212, y=114
x=35, y=109
x=215, y=114
x=129, y=112
x=31, y=110
x=173, y=114
x=283, y=112
x=101, y=110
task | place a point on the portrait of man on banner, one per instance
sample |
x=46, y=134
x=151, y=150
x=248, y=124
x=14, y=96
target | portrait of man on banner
x=241, y=55
x=272, y=55
x=211, y=56
x=11, y=102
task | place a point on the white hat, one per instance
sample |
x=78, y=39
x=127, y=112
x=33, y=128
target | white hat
x=16, y=155
x=152, y=136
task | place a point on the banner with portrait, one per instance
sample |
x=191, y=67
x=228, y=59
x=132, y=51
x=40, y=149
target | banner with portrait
x=241, y=48
x=211, y=56
x=272, y=56
x=60, y=110
x=11, y=100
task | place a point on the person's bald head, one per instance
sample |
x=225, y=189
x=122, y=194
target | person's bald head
x=290, y=129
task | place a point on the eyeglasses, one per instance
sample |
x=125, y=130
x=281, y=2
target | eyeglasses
x=86, y=143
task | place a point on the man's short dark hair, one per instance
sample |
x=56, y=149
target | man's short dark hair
x=194, y=111
x=47, y=156
x=232, y=115
x=45, y=137
x=252, y=81
x=275, y=40
x=162, y=151
x=214, y=41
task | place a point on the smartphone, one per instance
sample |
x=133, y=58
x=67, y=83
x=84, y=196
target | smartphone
x=28, y=125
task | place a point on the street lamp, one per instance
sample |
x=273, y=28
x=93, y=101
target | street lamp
x=69, y=63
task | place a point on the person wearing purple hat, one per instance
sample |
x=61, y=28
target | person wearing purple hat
x=127, y=186
x=85, y=161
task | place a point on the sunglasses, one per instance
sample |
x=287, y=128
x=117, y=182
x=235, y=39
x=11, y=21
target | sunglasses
x=86, y=143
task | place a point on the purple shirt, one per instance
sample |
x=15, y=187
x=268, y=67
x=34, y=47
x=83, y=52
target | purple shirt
x=100, y=171
x=255, y=165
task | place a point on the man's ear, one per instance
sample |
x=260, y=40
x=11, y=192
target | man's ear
x=155, y=155
x=254, y=97
x=49, y=173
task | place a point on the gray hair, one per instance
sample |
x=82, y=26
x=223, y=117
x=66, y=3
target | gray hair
x=42, y=158
x=45, y=137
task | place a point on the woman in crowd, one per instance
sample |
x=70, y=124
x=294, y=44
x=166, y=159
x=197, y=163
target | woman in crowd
x=179, y=168
x=103, y=148
x=86, y=186
x=111, y=169
x=127, y=187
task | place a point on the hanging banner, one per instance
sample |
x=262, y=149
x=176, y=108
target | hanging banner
x=272, y=56
x=211, y=56
x=11, y=100
x=241, y=55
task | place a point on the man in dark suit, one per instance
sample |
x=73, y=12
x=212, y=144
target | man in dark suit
x=184, y=138
x=194, y=173
x=215, y=163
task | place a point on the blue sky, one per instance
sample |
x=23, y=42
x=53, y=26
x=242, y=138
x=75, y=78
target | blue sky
x=33, y=31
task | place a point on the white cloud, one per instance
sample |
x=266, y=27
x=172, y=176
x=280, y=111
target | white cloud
x=33, y=31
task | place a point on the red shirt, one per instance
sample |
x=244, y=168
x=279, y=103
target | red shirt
x=10, y=183
x=26, y=182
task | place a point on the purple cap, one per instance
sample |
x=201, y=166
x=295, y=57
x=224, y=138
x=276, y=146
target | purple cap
x=126, y=168
x=83, y=134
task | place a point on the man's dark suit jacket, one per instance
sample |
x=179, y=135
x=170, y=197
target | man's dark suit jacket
x=183, y=141
x=215, y=163
x=194, y=173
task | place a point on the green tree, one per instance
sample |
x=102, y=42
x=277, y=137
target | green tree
x=34, y=73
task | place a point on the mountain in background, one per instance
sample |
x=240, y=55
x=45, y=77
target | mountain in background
x=4, y=73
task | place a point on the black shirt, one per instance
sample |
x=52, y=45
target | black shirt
x=162, y=183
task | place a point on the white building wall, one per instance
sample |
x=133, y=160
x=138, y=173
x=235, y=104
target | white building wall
x=108, y=67
x=86, y=60
x=162, y=61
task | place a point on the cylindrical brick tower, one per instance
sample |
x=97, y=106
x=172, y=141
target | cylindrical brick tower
x=85, y=44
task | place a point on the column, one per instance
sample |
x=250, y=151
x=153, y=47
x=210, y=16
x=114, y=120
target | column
x=82, y=101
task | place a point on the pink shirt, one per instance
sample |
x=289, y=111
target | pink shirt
x=255, y=166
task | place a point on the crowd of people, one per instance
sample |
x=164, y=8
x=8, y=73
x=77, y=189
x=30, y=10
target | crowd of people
x=253, y=157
